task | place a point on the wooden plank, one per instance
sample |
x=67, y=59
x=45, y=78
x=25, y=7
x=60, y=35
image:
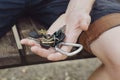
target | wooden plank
x=9, y=54
x=26, y=26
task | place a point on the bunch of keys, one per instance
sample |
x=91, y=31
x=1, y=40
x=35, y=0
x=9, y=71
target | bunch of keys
x=56, y=40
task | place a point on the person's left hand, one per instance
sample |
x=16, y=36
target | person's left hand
x=74, y=26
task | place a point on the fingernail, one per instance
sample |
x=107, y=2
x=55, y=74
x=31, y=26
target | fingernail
x=22, y=41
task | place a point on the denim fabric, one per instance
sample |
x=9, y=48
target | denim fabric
x=104, y=7
x=46, y=11
x=9, y=12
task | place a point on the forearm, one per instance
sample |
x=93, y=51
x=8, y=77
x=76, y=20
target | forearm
x=80, y=5
x=77, y=16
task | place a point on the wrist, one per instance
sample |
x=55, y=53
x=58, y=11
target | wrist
x=86, y=5
x=80, y=5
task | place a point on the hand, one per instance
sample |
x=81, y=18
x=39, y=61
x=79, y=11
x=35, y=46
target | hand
x=75, y=24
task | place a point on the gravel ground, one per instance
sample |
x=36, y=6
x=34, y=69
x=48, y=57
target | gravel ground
x=67, y=70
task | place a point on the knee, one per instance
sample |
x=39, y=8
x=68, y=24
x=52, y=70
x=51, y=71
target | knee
x=107, y=47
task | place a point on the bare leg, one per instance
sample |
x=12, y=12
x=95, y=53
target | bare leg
x=107, y=49
x=100, y=74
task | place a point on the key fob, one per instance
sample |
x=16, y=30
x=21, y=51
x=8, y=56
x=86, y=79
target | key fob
x=34, y=34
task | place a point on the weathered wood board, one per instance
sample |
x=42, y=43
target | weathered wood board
x=11, y=56
x=25, y=28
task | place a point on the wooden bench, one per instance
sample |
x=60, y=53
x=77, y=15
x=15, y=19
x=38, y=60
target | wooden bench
x=13, y=54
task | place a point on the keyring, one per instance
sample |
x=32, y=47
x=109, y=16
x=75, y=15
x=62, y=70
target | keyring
x=57, y=48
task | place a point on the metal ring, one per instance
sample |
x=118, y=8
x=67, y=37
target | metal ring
x=57, y=48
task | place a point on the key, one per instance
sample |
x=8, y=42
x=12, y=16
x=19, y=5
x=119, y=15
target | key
x=59, y=35
x=47, y=40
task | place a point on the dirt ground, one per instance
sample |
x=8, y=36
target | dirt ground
x=68, y=70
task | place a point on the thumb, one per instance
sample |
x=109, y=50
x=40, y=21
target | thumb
x=84, y=24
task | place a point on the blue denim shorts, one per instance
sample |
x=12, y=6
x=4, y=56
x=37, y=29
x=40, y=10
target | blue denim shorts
x=46, y=11
x=104, y=7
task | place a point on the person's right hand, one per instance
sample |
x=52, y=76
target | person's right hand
x=75, y=24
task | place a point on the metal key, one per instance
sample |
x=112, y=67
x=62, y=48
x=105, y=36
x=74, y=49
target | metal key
x=47, y=40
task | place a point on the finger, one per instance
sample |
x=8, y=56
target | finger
x=59, y=56
x=41, y=52
x=84, y=26
x=57, y=25
x=72, y=35
x=56, y=57
x=29, y=42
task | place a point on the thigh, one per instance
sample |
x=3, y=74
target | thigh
x=9, y=11
x=49, y=10
x=102, y=8
x=105, y=15
x=107, y=46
